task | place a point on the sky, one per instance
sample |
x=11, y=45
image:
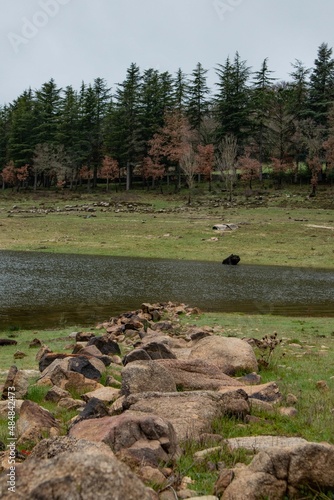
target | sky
x=80, y=40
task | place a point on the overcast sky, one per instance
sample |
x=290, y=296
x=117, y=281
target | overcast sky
x=79, y=40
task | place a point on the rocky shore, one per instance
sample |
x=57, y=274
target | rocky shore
x=140, y=388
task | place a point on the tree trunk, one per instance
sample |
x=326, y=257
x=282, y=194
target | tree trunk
x=128, y=176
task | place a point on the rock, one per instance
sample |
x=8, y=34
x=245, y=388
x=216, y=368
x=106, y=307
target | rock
x=258, y=443
x=71, y=404
x=49, y=448
x=77, y=475
x=268, y=392
x=289, y=411
x=158, y=350
x=291, y=399
x=145, y=376
x=84, y=336
x=105, y=345
x=4, y=342
x=197, y=374
x=191, y=413
x=146, y=439
x=151, y=475
x=35, y=343
x=279, y=472
x=250, y=379
x=19, y=355
x=106, y=394
x=35, y=422
x=42, y=352
x=69, y=380
x=90, y=350
x=136, y=355
x=55, y=394
x=4, y=408
x=95, y=408
x=91, y=368
x=322, y=385
x=230, y=354
x=18, y=379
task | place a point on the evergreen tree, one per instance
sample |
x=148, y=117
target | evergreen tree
x=127, y=144
x=4, y=133
x=262, y=96
x=232, y=102
x=69, y=131
x=300, y=90
x=198, y=97
x=321, y=95
x=47, y=107
x=181, y=87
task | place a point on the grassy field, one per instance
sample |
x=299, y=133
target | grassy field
x=276, y=229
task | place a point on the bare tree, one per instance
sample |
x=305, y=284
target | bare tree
x=226, y=155
x=51, y=161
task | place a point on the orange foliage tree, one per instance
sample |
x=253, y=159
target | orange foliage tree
x=15, y=176
x=109, y=169
x=250, y=168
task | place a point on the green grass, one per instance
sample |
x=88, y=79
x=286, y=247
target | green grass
x=144, y=224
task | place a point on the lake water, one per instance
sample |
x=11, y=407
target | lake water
x=50, y=290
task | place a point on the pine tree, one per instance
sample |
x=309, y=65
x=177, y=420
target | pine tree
x=300, y=89
x=47, y=108
x=181, y=87
x=262, y=95
x=127, y=144
x=198, y=92
x=321, y=95
x=22, y=137
x=232, y=102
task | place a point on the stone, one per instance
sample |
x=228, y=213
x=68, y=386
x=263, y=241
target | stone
x=145, y=376
x=9, y=382
x=289, y=411
x=90, y=368
x=35, y=343
x=268, y=392
x=105, y=345
x=69, y=380
x=34, y=423
x=258, y=443
x=191, y=413
x=55, y=394
x=52, y=447
x=71, y=404
x=19, y=355
x=279, y=472
x=4, y=408
x=147, y=439
x=106, y=394
x=136, y=355
x=151, y=475
x=84, y=336
x=95, y=408
x=230, y=354
x=76, y=475
x=197, y=374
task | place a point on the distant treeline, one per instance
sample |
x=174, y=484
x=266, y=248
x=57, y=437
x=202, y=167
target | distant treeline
x=160, y=126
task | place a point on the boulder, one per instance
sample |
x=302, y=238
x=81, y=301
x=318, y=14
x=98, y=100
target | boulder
x=147, y=439
x=4, y=408
x=281, y=472
x=191, y=413
x=84, y=336
x=197, y=374
x=230, y=354
x=91, y=473
x=144, y=376
x=34, y=423
x=91, y=368
x=69, y=380
x=55, y=394
x=52, y=447
x=105, y=345
x=106, y=394
x=18, y=379
x=95, y=408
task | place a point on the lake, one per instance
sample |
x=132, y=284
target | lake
x=41, y=290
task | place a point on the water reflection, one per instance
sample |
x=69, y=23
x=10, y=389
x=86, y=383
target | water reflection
x=44, y=290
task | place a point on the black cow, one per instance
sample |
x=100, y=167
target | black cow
x=232, y=260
